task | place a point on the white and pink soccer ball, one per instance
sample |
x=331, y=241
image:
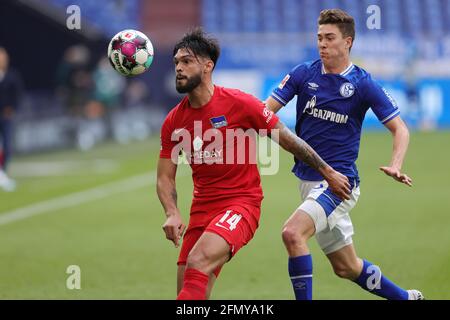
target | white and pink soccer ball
x=130, y=52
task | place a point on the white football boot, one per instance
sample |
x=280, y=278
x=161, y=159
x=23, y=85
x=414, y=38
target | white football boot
x=415, y=295
x=6, y=183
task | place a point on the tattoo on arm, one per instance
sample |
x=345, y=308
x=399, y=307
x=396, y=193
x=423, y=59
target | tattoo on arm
x=300, y=149
x=174, y=196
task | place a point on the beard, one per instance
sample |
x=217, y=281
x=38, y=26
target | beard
x=191, y=84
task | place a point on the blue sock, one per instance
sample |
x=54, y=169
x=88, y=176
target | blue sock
x=300, y=271
x=372, y=280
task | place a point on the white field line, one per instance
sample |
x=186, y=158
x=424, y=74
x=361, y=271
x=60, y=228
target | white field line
x=63, y=168
x=77, y=198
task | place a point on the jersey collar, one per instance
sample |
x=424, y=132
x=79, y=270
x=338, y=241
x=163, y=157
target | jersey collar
x=343, y=73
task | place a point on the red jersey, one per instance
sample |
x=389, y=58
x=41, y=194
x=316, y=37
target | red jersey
x=219, y=140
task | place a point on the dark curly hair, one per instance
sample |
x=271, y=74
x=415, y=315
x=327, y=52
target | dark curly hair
x=200, y=44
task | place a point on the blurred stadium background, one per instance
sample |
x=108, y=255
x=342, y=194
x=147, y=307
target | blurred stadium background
x=86, y=143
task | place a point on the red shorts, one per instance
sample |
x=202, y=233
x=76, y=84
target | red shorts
x=236, y=224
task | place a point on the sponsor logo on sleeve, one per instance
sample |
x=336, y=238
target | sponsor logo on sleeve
x=283, y=83
x=267, y=114
x=391, y=99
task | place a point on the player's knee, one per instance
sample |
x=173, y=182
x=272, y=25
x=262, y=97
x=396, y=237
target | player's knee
x=197, y=259
x=347, y=272
x=292, y=236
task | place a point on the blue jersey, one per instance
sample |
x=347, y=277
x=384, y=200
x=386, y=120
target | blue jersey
x=330, y=112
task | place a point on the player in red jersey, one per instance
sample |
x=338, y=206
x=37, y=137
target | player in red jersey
x=216, y=129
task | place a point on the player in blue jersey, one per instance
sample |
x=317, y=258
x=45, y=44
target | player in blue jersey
x=333, y=96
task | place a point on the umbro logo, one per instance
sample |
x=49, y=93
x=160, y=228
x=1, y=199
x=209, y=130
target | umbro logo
x=301, y=285
x=313, y=86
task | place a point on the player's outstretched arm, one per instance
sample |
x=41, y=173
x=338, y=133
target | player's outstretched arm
x=167, y=193
x=301, y=150
x=400, y=135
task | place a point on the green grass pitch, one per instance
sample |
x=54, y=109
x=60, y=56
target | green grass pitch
x=117, y=239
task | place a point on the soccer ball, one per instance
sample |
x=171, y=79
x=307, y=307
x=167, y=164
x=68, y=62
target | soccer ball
x=130, y=52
